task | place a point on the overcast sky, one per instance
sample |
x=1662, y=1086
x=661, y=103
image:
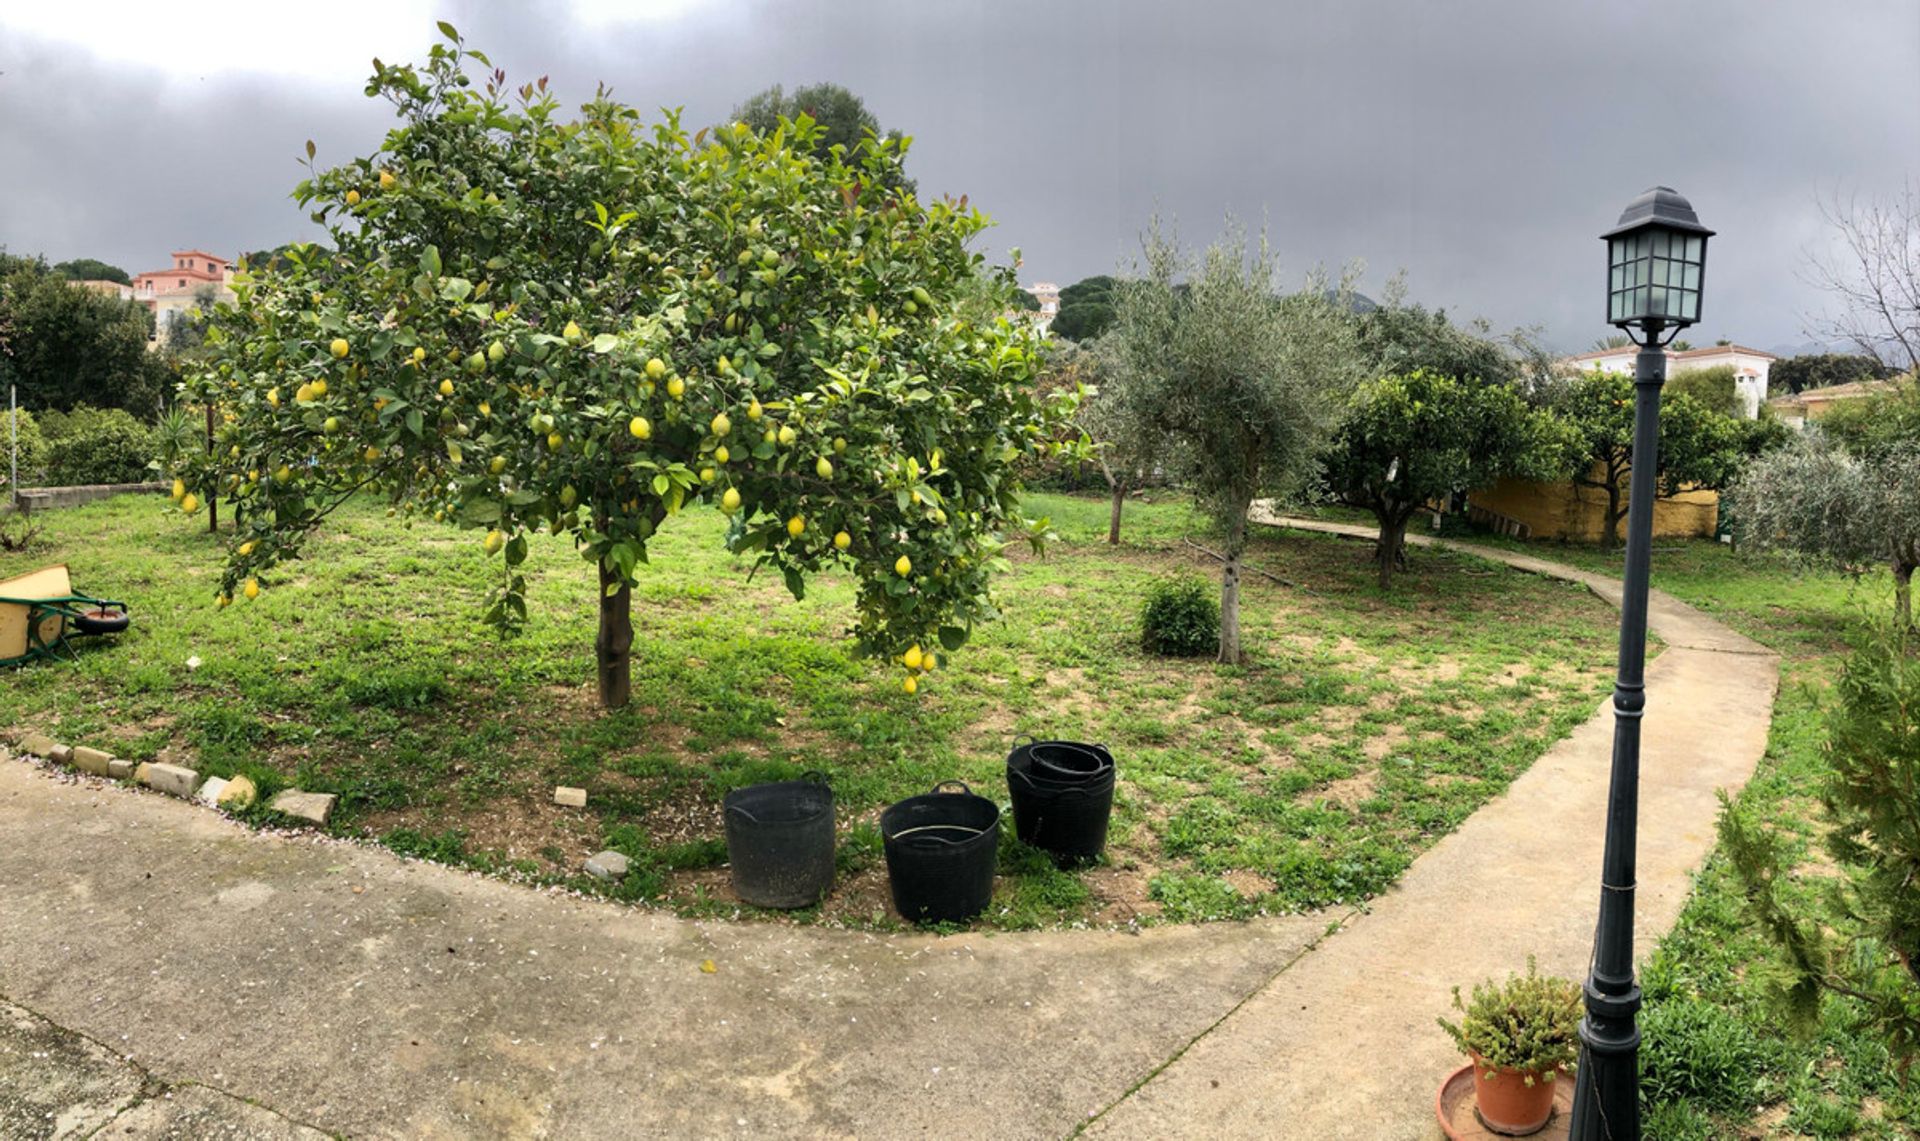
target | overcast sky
x=1481, y=146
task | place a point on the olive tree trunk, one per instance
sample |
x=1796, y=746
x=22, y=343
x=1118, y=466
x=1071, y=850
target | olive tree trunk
x=1903, y=594
x=1230, y=587
x=613, y=645
x=1113, y=517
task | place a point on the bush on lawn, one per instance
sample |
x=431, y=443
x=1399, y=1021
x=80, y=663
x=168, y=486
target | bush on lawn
x=1181, y=617
x=92, y=445
x=1694, y=1051
x=33, y=448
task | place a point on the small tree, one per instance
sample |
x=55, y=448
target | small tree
x=1872, y=271
x=843, y=119
x=1859, y=939
x=1822, y=370
x=1242, y=385
x=1409, y=440
x=589, y=327
x=1717, y=389
x=1698, y=448
x=1818, y=501
x=1086, y=309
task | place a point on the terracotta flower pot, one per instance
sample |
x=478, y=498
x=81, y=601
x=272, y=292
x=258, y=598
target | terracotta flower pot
x=1507, y=1104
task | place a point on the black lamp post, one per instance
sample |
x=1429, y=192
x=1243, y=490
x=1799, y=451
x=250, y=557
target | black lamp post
x=1656, y=263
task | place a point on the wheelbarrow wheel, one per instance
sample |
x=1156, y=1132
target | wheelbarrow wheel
x=100, y=620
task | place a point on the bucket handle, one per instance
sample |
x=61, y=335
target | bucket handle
x=1027, y=737
x=942, y=786
x=814, y=776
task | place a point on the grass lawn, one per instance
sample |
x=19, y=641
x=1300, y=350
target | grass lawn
x=1716, y=1063
x=1366, y=726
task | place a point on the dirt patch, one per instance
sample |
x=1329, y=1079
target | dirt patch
x=1350, y=792
x=1121, y=894
x=1380, y=747
x=1250, y=885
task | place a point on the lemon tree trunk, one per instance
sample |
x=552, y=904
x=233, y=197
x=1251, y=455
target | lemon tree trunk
x=613, y=645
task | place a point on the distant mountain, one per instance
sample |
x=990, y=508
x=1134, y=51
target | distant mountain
x=1358, y=302
x=1805, y=347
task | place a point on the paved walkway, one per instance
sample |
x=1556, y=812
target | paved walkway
x=336, y=987
x=1344, y=1044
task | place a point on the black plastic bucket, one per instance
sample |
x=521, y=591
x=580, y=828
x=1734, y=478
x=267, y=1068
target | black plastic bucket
x=780, y=841
x=942, y=848
x=1062, y=794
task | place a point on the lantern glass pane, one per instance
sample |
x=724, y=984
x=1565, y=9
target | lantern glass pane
x=1659, y=243
x=1691, y=279
x=1693, y=247
x=1659, y=300
x=1616, y=251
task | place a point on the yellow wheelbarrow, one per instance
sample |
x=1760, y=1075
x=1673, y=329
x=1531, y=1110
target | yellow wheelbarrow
x=39, y=613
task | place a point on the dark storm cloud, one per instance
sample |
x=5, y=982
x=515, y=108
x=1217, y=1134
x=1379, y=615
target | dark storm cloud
x=1480, y=146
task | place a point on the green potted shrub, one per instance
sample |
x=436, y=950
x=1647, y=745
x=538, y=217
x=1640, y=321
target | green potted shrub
x=1523, y=1035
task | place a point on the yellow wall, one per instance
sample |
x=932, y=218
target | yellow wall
x=1570, y=511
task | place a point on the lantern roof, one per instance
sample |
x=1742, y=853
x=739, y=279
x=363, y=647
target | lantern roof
x=1661, y=206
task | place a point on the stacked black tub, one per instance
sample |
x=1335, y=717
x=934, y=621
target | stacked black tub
x=1062, y=797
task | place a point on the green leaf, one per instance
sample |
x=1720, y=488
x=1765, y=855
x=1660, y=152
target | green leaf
x=516, y=550
x=660, y=484
x=456, y=289
x=796, y=582
x=953, y=637
x=480, y=511
x=605, y=343
x=430, y=261
x=413, y=421
x=446, y=30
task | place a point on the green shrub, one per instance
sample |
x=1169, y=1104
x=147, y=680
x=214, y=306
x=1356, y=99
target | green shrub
x=1529, y=1023
x=1181, y=617
x=33, y=448
x=91, y=445
x=1694, y=1051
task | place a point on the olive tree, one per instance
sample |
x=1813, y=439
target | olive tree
x=1823, y=503
x=588, y=326
x=1240, y=385
x=1413, y=439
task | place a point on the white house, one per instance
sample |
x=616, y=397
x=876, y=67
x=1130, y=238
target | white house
x=1749, y=367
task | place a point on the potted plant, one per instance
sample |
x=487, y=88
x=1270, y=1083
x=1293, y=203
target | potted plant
x=1523, y=1035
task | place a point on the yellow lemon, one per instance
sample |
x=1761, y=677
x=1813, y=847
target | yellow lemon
x=282, y=474
x=273, y=397
x=252, y=589
x=189, y=503
x=387, y=180
x=910, y=684
x=721, y=425
x=730, y=502
x=497, y=465
x=331, y=425
x=319, y=388
x=839, y=445
x=339, y=348
x=796, y=526
x=555, y=440
x=353, y=198
x=911, y=659
x=639, y=427
x=372, y=453
x=419, y=354
x=446, y=388
x=571, y=332
x=496, y=352
x=842, y=540
x=493, y=542
x=179, y=490
x=926, y=663
x=788, y=435
x=823, y=468
x=247, y=547
x=721, y=454
x=903, y=566
x=486, y=409
x=676, y=388
x=754, y=410
x=656, y=368
x=223, y=601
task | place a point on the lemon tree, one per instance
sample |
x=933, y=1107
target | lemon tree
x=587, y=325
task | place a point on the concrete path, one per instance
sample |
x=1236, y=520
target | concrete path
x=335, y=987
x=1344, y=1044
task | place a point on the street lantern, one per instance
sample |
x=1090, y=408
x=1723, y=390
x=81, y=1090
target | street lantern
x=1656, y=265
